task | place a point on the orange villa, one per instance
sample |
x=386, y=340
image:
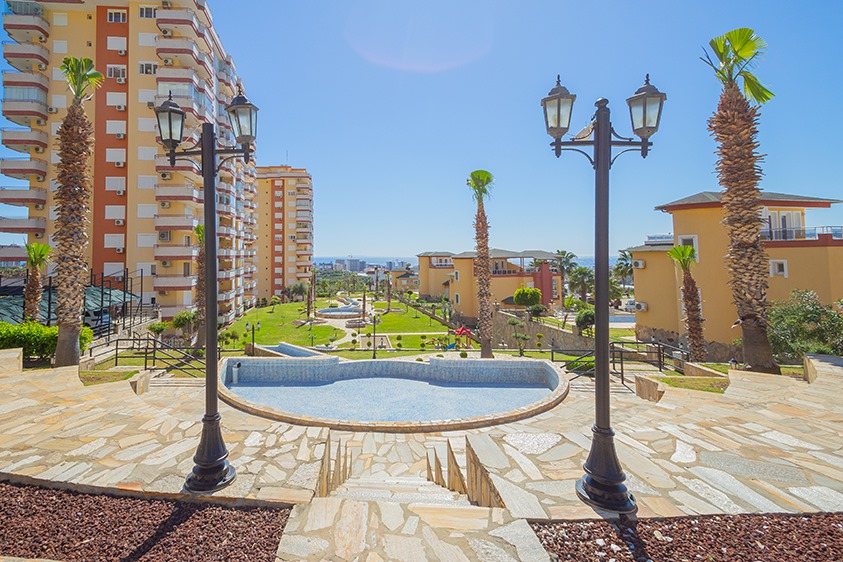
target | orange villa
x=801, y=257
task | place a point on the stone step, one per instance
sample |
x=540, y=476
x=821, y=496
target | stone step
x=177, y=382
x=398, y=490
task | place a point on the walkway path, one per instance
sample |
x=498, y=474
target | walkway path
x=769, y=444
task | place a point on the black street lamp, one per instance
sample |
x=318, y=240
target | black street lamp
x=212, y=470
x=256, y=325
x=602, y=486
x=376, y=318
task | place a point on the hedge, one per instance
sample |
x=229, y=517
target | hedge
x=36, y=340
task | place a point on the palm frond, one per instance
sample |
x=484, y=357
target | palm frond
x=81, y=76
x=755, y=90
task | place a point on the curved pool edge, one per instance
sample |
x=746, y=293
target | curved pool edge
x=547, y=403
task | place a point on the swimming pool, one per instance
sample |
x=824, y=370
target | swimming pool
x=392, y=395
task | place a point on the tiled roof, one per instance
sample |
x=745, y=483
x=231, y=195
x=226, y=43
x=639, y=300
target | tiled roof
x=768, y=196
x=434, y=254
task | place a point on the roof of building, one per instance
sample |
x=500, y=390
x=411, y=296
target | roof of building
x=406, y=274
x=651, y=248
x=713, y=198
x=497, y=253
x=434, y=254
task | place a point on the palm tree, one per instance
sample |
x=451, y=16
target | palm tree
x=199, y=297
x=734, y=127
x=37, y=256
x=480, y=182
x=566, y=262
x=73, y=196
x=684, y=256
x=581, y=280
x=623, y=267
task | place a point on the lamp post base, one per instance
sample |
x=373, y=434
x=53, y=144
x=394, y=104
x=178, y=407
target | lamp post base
x=602, y=485
x=212, y=471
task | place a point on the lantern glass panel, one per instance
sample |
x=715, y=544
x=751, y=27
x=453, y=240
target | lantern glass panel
x=636, y=112
x=653, y=110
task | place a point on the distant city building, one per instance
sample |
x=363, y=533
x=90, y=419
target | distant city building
x=339, y=265
x=355, y=265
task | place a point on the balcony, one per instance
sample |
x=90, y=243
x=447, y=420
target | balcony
x=174, y=282
x=195, y=111
x=303, y=274
x=22, y=112
x=183, y=165
x=186, y=52
x=23, y=226
x=225, y=209
x=185, y=193
x=304, y=263
x=227, y=253
x=13, y=253
x=226, y=296
x=23, y=56
x=23, y=168
x=26, y=25
x=185, y=23
x=304, y=227
x=226, y=318
x=169, y=252
x=22, y=196
x=226, y=274
x=12, y=78
x=169, y=312
x=658, y=239
x=176, y=222
x=21, y=140
x=226, y=231
x=809, y=235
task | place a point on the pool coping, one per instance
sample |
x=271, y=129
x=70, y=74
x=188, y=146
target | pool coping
x=547, y=403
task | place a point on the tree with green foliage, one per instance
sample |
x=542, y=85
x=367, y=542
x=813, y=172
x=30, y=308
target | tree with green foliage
x=186, y=322
x=527, y=296
x=803, y=324
x=37, y=256
x=623, y=267
x=274, y=300
x=585, y=321
x=158, y=328
x=581, y=281
x=536, y=311
x=520, y=338
x=735, y=129
x=480, y=182
x=73, y=207
x=565, y=263
x=684, y=257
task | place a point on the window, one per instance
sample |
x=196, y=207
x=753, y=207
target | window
x=153, y=269
x=147, y=11
x=291, y=193
x=116, y=16
x=456, y=276
x=292, y=237
x=115, y=71
x=778, y=268
x=689, y=240
x=186, y=268
x=456, y=298
x=147, y=68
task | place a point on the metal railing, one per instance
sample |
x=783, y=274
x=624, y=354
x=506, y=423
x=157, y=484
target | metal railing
x=659, y=355
x=802, y=233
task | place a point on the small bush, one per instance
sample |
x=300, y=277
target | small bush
x=419, y=359
x=399, y=345
x=158, y=328
x=353, y=334
x=369, y=343
x=439, y=355
x=353, y=341
x=463, y=354
x=199, y=353
x=585, y=319
x=398, y=337
x=36, y=340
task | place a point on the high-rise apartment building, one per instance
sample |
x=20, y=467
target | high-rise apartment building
x=285, y=200
x=143, y=210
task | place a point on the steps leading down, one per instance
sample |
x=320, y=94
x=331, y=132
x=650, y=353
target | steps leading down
x=399, y=489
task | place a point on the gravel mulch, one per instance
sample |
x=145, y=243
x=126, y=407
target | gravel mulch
x=42, y=523
x=727, y=538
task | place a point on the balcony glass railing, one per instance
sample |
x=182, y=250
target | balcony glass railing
x=22, y=8
x=804, y=233
x=658, y=239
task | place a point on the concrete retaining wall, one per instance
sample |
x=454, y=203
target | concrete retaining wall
x=553, y=336
x=648, y=389
x=11, y=361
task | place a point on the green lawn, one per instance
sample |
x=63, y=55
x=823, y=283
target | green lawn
x=406, y=322
x=706, y=384
x=277, y=326
x=382, y=353
x=791, y=370
x=135, y=358
x=90, y=378
x=615, y=334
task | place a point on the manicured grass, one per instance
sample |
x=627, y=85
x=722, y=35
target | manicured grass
x=706, y=384
x=406, y=322
x=90, y=378
x=382, y=353
x=719, y=367
x=277, y=326
x=615, y=334
x=790, y=370
x=412, y=341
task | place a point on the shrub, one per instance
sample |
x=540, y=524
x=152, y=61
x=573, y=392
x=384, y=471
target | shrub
x=422, y=344
x=399, y=345
x=439, y=355
x=369, y=343
x=585, y=319
x=199, y=353
x=36, y=340
x=398, y=337
x=527, y=296
x=353, y=341
x=158, y=328
x=463, y=354
x=803, y=324
x=419, y=359
x=353, y=334
x=333, y=305
x=536, y=310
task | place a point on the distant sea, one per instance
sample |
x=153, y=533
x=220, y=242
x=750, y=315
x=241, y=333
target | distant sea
x=587, y=261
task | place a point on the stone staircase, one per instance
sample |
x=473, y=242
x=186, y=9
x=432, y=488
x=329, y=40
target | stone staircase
x=399, y=489
x=177, y=382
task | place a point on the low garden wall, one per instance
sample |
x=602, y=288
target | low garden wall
x=553, y=337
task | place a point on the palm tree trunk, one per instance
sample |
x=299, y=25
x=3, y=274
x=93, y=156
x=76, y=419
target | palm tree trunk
x=73, y=196
x=734, y=127
x=483, y=272
x=693, y=317
x=32, y=294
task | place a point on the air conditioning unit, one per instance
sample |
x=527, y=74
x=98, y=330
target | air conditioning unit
x=120, y=164
x=39, y=235
x=39, y=149
x=166, y=4
x=41, y=122
x=42, y=39
x=120, y=108
x=40, y=178
x=52, y=110
x=121, y=52
x=165, y=204
x=167, y=32
x=42, y=66
x=121, y=192
x=638, y=264
x=166, y=263
x=39, y=207
x=119, y=222
x=121, y=80
x=166, y=176
x=162, y=293
x=168, y=62
x=120, y=136
x=164, y=235
x=119, y=250
x=150, y=104
x=640, y=307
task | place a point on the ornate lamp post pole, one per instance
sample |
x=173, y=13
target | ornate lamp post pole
x=376, y=318
x=212, y=471
x=253, y=327
x=602, y=485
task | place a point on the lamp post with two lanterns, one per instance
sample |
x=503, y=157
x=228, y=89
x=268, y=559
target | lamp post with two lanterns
x=602, y=486
x=212, y=470
x=253, y=327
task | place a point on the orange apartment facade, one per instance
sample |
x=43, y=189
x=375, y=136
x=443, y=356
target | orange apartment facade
x=449, y=275
x=800, y=257
x=143, y=210
x=285, y=200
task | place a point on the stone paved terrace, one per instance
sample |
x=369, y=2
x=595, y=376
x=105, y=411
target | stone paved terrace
x=771, y=444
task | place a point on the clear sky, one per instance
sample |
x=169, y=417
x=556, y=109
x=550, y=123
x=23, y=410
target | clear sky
x=390, y=104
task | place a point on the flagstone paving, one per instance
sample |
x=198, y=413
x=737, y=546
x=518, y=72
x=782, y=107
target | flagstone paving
x=768, y=444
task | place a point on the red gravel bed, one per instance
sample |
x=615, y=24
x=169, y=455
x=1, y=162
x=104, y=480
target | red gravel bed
x=727, y=538
x=43, y=523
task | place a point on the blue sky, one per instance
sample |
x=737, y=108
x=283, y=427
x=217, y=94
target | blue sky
x=390, y=104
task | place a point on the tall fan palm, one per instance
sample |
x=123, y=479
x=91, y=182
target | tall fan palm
x=623, y=267
x=73, y=196
x=199, y=298
x=735, y=128
x=480, y=182
x=684, y=256
x=37, y=256
x=566, y=262
x=581, y=280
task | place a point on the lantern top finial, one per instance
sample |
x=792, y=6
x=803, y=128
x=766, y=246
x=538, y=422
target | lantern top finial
x=558, y=89
x=647, y=88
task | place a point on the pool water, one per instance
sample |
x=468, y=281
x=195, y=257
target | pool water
x=385, y=399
